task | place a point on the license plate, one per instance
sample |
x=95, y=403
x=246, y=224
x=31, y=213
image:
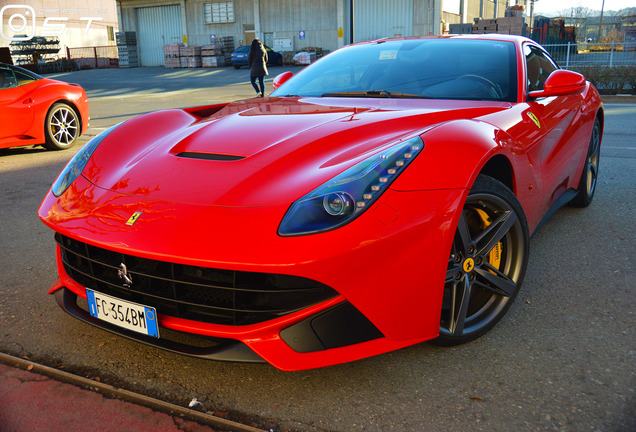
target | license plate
x=122, y=313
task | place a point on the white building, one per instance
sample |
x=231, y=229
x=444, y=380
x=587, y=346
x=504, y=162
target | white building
x=294, y=24
x=75, y=23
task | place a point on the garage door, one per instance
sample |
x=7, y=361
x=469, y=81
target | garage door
x=373, y=20
x=156, y=27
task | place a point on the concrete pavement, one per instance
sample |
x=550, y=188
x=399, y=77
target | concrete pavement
x=559, y=362
x=34, y=398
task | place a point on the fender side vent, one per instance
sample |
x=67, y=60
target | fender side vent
x=210, y=156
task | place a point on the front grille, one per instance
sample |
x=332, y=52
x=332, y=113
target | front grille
x=196, y=293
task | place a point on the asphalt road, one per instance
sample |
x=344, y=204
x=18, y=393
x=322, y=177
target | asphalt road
x=562, y=359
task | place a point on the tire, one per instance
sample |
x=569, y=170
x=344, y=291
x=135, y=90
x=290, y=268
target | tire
x=237, y=66
x=487, y=263
x=589, y=176
x=62, y=127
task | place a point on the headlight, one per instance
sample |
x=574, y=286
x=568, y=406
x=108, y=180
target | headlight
x=344, y=197
x=76, y=165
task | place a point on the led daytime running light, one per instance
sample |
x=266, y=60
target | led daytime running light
x=76, y=165
x=346, y=196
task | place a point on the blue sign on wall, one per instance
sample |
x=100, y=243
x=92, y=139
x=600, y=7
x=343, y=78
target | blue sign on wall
x=301, y=34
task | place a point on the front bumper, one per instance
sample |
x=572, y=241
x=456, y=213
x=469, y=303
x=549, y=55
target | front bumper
x=228, y=350
x=389, y=264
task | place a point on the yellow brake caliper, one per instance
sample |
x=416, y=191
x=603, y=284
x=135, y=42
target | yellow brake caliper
x=494, y=257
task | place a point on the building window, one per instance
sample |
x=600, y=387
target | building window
x=451, y=6
x=218, y=12
x=111, y=33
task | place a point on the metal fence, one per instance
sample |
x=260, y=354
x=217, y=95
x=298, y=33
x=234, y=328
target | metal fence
x=94, y=57
x=593, y=54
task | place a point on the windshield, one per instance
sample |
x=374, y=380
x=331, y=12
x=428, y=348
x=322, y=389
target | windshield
x=422, y=68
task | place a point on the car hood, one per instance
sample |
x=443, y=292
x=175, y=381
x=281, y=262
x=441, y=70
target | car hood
x=260, y=151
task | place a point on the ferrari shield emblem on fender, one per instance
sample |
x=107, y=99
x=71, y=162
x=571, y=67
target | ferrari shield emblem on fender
x=133, y=218
x=534, y=119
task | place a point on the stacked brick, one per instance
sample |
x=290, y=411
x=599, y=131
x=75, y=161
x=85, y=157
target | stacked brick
x=171, y=55
x=217, y=54
x=507, y=25
x=510, y=25
x=190, y=57
x=227, y=45
x=127, y=49
x=485, y=26
x=515, y=11
x=212, y=55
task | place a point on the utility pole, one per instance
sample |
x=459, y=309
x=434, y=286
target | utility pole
x=600, y=22
x=531, y=23
x=351, y=21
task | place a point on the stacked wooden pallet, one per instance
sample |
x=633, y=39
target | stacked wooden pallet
x=212, y=55
x=227, y=46
x=190, y=57
x=171, y=55
x=510, y=25
x=507, y=25
x=217, y=54
x=127, y=49
x=485, y=26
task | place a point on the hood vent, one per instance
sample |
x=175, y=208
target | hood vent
x=210, y=156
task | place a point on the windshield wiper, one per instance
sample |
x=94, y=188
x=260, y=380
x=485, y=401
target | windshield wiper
x=369, y=93
x=375, y=94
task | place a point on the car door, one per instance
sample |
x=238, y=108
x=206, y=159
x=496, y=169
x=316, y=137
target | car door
x=555, y=121
x=16, y=107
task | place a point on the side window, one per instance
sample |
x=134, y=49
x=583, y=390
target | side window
x=23, y=78
x=7, y=79
x=539, y=67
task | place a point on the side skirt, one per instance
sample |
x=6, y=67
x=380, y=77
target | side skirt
x=565, y=198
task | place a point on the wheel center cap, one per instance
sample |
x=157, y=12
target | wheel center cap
x=469, y=265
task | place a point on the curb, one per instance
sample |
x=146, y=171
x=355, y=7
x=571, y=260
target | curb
x=625, y=98
x=126, y=395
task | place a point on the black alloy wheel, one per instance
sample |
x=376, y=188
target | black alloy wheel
x=487, y=263
x=62, y=127
x=589, y=176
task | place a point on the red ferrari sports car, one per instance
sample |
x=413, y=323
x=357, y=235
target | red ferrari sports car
x=37, y=110
x=381, y=197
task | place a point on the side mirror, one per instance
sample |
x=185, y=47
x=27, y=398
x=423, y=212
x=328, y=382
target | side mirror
x=561, y=83
x=282, y=79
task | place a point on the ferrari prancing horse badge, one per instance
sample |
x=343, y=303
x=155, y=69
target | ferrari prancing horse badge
x=534, y=119
x=133, y=218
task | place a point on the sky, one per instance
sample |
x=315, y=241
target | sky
x=543, y=6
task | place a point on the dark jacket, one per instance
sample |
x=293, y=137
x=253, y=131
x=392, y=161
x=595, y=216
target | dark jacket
x=257, y=62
